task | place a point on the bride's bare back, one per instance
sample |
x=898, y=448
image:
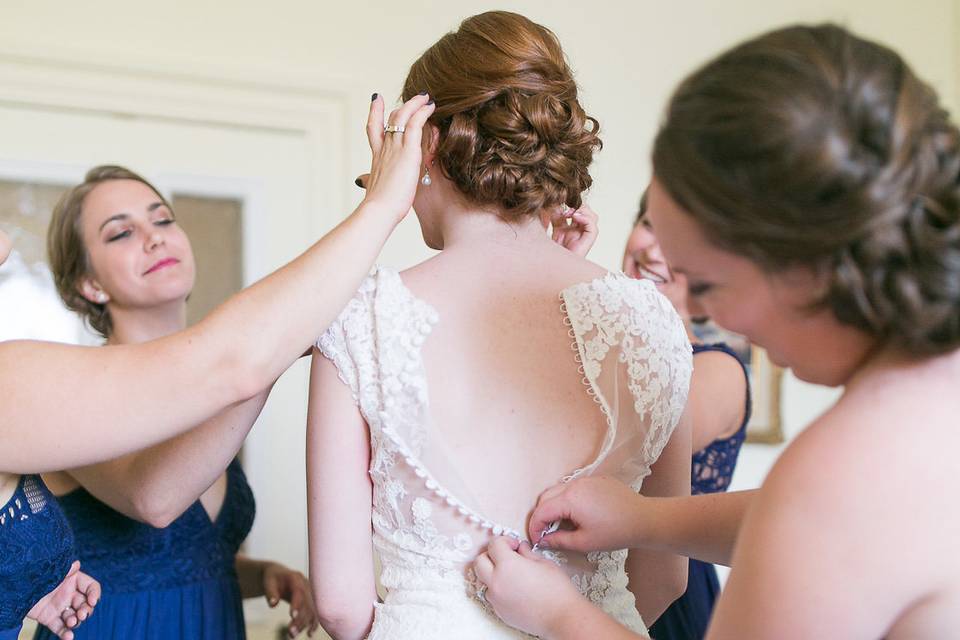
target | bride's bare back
x=462, y=389
x=505, y=390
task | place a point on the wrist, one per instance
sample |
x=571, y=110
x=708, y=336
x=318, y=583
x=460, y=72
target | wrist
x=380, y=212
x=571, y=612
x=638, y=519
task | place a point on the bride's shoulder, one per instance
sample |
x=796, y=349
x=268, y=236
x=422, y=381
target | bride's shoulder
x=611, y=287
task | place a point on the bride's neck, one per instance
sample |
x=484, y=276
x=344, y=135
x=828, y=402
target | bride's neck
x=488, y=229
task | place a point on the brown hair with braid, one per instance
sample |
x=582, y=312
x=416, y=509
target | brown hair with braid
x=812, y=147
x=512, y=131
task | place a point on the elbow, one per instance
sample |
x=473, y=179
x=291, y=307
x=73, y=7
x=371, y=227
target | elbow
x=242, y=378
x=343, y=619
x=247, y=380
x=653, y=601
x=155, y=510
x=230, y=375
x=677, y=585
x=670, y=591
x=344, y=623
x=674, y=585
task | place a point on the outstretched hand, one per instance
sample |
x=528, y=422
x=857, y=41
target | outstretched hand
x=576, y=230
x=69, y=604
x=282, y=583
x=396, y=157
x=527, y=591
x=597, y=514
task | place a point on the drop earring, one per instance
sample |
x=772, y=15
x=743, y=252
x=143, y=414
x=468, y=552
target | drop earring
x=426, y=180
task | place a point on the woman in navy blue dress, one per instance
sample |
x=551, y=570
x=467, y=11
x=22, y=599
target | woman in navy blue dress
x=720, y=402
x=39, y=575
x=160, y=529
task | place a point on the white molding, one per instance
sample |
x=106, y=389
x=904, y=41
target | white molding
x=203, y=95
x=53, y=173
x=227, y=99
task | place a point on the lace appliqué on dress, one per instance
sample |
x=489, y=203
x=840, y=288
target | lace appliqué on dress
x=36, y=545
x=620, y=322
x=424, y=535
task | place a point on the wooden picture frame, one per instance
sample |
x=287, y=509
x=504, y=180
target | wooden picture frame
x=766, y=422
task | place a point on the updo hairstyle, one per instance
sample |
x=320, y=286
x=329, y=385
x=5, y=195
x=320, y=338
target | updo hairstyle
x=812, y=147
x=512, y=133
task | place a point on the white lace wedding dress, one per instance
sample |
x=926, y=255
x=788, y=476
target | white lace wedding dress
x=636, y=362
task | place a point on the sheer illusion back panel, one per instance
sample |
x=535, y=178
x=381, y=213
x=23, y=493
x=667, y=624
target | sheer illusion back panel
x=508, y=413
x=499, y=393
x=636, y=361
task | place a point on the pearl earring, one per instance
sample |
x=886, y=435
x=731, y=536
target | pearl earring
x=101, y=297
x=426, y=180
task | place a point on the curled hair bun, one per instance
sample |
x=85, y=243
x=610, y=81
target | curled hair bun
x=809, y=146
x=512, y=131
x=903, y=273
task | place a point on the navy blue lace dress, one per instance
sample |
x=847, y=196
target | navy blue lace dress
x=36, y=550
x=160, y=584
x=687, y=618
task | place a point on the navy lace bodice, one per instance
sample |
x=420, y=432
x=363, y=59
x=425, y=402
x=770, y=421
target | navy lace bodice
x=176, y=582
x=714, y=464
x=36, y=548
x=126, y=555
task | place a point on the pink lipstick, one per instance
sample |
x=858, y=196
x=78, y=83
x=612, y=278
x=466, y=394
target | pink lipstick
x=166, y=262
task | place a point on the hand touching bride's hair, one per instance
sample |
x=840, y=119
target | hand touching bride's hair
x=512, y=132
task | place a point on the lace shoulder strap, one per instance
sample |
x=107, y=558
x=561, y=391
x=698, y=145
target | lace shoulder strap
x=636, y=361
x=348, y=341
x=375, y=344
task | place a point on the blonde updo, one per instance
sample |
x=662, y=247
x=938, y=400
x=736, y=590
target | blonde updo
x=512, y=132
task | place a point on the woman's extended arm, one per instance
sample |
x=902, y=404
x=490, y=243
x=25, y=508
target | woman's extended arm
x=65, y=406
x=605, y=514
x=158, y=484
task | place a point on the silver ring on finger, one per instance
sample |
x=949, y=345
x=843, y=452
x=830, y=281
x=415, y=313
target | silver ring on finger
x=394, y=128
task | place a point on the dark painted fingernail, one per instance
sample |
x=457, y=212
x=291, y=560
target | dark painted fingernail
x=423, y=93
x=358, y=183
x=374, y=97
x=430, y=101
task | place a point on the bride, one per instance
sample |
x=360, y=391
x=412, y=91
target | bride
x=445, y=399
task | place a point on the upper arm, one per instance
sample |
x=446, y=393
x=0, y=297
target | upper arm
x=717, y=400
x=66, y=406
x=113, y=484
x=670, y=474
x=809, y=561
x=339, y=491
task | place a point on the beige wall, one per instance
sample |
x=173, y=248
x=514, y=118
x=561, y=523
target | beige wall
x=627, y=55
x=627, y=59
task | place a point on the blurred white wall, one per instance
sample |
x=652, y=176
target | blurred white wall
x=628, y=55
